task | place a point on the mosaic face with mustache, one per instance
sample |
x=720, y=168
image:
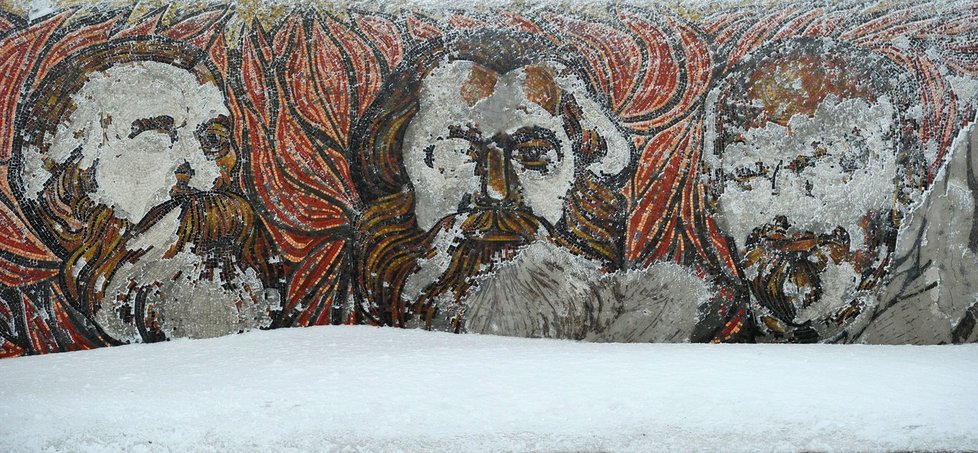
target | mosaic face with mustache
x=488, y=142
x=494, y=154
x=812, y=176
x=128, y=174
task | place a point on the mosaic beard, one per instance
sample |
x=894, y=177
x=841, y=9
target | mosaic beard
x=785, y=271
x=218, y=228
x=221, y=246
x=488, y=237
x=390, y=246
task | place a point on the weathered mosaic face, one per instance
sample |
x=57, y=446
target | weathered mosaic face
x=492, y=158
x=809, y=185
x=140, y=152
x=482, y=139
x=479, y=141
x=153, y=152
x=489, y=157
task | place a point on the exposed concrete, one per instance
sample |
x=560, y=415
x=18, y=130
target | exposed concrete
x=934, y=283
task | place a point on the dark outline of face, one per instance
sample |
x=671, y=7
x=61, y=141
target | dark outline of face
x=39, y=121
x=910, y=164
x=385, y=188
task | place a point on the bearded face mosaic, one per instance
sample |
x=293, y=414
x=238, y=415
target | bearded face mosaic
x=786, y=173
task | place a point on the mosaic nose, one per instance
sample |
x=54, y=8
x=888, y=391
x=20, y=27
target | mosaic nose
x=495, y=180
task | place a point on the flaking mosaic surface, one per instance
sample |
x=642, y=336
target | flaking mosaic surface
x=776, y=172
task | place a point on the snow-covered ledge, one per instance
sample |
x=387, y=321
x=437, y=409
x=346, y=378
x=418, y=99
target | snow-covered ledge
x=368, y=389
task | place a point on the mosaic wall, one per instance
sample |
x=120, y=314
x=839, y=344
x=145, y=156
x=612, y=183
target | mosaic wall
x=753, y=173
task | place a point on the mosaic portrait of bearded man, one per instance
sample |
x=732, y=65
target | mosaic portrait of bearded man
x=813, y=168
x=491, y=177
x=127, y=171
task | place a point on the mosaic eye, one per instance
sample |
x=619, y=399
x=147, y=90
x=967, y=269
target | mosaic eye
x=214, y=137
x=448, y=154
x=537, y=149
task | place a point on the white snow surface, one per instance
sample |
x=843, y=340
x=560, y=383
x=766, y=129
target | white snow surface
x=383, y=389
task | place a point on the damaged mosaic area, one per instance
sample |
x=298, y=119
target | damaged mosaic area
x=694, y=173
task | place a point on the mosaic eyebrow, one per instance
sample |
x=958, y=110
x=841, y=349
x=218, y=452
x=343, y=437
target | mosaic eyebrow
x=162, y=123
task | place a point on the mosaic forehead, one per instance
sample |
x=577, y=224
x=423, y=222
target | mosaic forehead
x=177, y=170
